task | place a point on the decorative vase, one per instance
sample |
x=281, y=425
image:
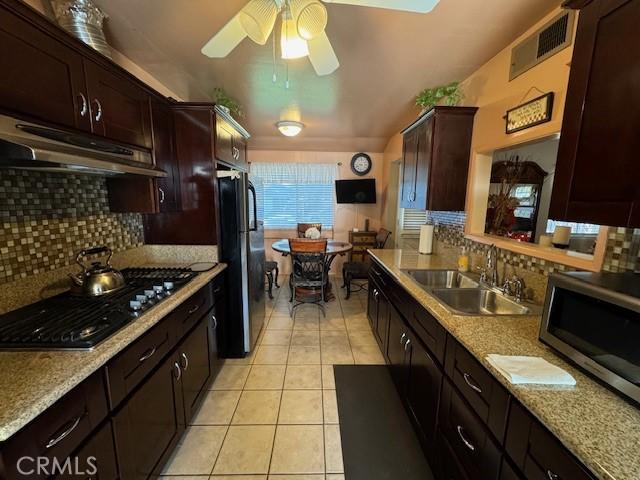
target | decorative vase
x=83, y=20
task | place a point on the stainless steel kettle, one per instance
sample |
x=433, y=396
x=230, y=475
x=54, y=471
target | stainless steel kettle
x=98, y=278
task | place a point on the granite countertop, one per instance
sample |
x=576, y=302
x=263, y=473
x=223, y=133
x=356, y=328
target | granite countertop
x=30, y=382
x=599, y=427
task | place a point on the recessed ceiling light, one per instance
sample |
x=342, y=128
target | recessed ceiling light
x=289, y=128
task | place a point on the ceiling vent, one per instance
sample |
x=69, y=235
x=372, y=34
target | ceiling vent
x=546, y=42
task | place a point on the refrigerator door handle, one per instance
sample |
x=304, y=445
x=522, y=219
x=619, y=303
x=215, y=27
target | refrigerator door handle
x=254, y=227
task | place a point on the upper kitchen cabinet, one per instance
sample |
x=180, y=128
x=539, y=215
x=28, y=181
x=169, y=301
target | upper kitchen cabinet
x=120, y=109
x=168, y=188
x=436, y=159
x=596, y=175
x=230, y=140
x=41, y=77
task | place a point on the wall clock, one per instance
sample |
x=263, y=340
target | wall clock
x=361, y=164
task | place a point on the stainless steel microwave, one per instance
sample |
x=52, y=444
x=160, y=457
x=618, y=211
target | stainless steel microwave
x=593, y=319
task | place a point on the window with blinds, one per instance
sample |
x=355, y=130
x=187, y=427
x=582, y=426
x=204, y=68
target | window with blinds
x=413, y=219
x=292, y=193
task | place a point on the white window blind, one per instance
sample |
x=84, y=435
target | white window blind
x=576, y=228
x=292, y=193
x=413, y=219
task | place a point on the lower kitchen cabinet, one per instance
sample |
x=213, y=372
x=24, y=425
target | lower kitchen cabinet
x=193, y=355
x=423, y=390
x=470, y=426
x=96, y=459
x=150, y=423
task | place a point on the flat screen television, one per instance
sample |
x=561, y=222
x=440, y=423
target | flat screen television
x=356, y=191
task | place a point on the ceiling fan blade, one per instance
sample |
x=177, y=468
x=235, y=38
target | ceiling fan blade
x=322, y=56
x=228, y=38
x=418, y=6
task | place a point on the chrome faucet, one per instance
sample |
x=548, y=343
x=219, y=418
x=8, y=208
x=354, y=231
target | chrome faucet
x=514, y=287
x=491, y=270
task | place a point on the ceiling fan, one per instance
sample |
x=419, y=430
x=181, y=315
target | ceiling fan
x=303, y=27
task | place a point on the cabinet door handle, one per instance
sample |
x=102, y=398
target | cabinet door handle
x=215, y=321
x=147, y=355
x=552, y=476
x=402, y=338
x=177, y=370
x=98, y=105
x=466, y=442
x=65, y=433
x=193, y=310
x=84, y=108
x=185, y=365
x=161, y=194
x=469, y=380
x=406, y=345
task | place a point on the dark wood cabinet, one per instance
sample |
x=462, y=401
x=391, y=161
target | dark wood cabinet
x=474, y=447
x=164, y=155
x=230, y=144
x=193, y=355
x=41, y=77
x=96, y=459
x=398, y=346
x=597, y=175
x=436, y=150
x=536, y=452
x=120, y=109
x=378, y=314
x=423, y=390
x=150, y=423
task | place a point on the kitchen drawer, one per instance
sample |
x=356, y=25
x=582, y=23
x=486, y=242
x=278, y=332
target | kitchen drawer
x=60, y=430
x=185, y=316
x=537, y=452
x=218, y=288
x=129, y=368
x=384, y=280
x=448, y=464
x=484, y=393
x=472, y=443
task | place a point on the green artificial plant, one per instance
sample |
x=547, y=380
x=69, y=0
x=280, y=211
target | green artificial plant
x=222, y=98
x=430, y=97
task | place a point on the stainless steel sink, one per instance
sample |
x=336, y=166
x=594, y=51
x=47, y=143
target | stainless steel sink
x=480, y=301
x=432, y=279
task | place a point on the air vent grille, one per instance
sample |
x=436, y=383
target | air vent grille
x=546, y=42
x=553, y=36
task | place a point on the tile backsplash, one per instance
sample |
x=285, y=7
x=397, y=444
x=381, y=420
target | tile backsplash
x=46, y=217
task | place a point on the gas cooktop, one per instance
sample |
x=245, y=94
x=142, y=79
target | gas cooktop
x=69, y=322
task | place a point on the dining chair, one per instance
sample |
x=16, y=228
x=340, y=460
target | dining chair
x=269, y=268
x=308, y=278
x=303, y=227
x=360, y=270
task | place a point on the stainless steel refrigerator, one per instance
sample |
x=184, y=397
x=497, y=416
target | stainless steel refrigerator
x=242, y=248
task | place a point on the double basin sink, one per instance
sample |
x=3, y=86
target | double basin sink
x=466, y=296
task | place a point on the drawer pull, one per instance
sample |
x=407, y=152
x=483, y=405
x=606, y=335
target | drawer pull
x=215, y=322
x=147, y=355
x=193, y=310
x=552, y=476
x=406, y=345
x=84, y=107
x=98, y=115
x=185, y=365
x=57, y=439
x=402, y=338
x=466, y=442
x=178, y=370
x=471, y=382
x=379, y=275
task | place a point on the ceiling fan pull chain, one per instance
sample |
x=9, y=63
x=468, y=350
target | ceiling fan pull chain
x=286, y=85
x=275, y=77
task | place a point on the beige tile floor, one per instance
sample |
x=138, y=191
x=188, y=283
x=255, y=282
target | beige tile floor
x=274, y=415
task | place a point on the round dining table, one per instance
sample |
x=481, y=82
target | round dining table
x=334, y=248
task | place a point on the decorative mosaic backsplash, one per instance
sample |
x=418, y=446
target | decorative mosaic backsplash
x=622, y=247
x=46, y=217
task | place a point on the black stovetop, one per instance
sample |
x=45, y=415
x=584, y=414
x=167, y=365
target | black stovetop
x=70, y=322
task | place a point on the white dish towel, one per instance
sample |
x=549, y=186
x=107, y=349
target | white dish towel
x=520, y=370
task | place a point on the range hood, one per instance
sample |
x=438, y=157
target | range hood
x=29, y=146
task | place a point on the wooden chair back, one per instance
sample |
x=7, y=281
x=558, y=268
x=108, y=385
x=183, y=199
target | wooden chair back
x=303, y=227
x=382, y=237
x=307, y=245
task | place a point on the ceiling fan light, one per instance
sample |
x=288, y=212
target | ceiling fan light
x=292, y=45
x=258, y=18
x=310, y=17
x=289, y=128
